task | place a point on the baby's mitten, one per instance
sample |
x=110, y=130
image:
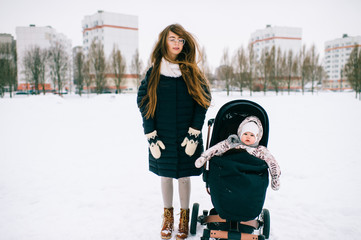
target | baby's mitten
x=275, y=184
x=200, y=162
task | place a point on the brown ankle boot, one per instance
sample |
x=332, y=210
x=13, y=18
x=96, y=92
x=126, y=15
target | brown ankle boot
x=183, y=224
x=168, y=223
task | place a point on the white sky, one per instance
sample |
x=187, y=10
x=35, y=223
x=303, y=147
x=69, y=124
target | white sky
x=217, y=24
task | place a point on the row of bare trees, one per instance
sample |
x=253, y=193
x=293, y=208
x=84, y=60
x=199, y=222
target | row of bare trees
x=94, y=68
x=352, y=70
x=53, y=62
x=271, y=69
x=8, y=68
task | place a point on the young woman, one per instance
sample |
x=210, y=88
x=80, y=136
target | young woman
x=173, y=100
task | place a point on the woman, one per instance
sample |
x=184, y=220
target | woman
x=173, y=100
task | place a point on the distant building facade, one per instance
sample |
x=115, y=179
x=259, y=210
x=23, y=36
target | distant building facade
x=337, y=53
x=44, y=38
x=6, y=38
x=113, y=30
x=285, y=38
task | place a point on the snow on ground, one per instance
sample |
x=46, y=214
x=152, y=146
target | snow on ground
x=76, y=168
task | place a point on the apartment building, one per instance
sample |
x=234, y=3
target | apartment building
x=113, y=30
x=286, y=38
x=43, y=37
x=337, y=52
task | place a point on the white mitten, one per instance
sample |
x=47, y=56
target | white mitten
x=191, y=141
x=154, y=144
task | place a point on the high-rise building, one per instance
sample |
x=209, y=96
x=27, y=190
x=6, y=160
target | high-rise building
x=283, y=38
x=286, y=38
x=44, y=38
x=113, y=30
x=337, y=52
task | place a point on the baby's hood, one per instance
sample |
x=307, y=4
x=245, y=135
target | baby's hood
x=255, y=120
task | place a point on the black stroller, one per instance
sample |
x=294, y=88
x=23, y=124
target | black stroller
x=236, y=181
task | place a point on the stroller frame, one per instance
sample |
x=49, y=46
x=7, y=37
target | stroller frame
x=218, y=227
x=234, y=231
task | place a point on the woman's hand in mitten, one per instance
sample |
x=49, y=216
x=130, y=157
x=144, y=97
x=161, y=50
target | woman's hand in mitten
x=154, y=144
x=191, y=141
x=200, y=162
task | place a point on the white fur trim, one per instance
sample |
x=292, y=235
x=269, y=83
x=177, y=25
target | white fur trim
x=194, y=132
x=169, y=69
x=151, y=134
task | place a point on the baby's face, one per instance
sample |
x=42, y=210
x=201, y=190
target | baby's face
x=248, y=138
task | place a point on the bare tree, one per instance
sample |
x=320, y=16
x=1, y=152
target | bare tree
x=295, y=68
x=98, y=65
x=137, y=66
x=8, y=67
x=79, y=73
x=252, y=67
x=290, y=64
x=304, y=67
x=320, y=74
x=42, y=78
x=205, y=66
x=277, y=71
x=226, y=70
x=267, y=67
x=313, y=68
x=117, y=67
x=34, y=63
x=242, y=69
x=284, y=71
x=88, y=78
x=262, y=69
x=59, y=64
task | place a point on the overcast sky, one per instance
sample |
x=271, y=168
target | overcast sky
x=216, y=24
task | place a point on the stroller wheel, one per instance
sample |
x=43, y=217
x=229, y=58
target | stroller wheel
x=266, y=223
x=261, y=237
x=193, y=227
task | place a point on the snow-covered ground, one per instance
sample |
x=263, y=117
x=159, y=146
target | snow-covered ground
x=76, y=168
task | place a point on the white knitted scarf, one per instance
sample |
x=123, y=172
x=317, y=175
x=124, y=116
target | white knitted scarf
x=169, y=69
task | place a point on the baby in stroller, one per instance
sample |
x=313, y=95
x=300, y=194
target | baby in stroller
x=249, y=134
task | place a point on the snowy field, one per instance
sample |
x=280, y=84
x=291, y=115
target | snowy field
x=76, y=168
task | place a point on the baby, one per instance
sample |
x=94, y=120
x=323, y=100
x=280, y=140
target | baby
x=248, y=136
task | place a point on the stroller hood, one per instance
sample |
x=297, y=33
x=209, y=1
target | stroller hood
x=232, y=114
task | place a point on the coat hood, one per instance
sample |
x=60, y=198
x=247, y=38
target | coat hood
x=257, y=122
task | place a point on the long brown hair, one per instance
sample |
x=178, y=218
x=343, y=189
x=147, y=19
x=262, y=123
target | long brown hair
x=194, y=78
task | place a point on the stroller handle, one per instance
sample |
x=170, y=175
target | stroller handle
x=210, y=123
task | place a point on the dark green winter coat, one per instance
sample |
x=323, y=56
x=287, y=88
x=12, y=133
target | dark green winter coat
x=175, y=112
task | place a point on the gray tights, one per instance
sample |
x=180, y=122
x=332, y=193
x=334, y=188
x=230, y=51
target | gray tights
x=184, y=188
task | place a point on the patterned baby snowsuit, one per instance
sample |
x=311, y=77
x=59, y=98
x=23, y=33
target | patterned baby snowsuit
x=234, y=142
